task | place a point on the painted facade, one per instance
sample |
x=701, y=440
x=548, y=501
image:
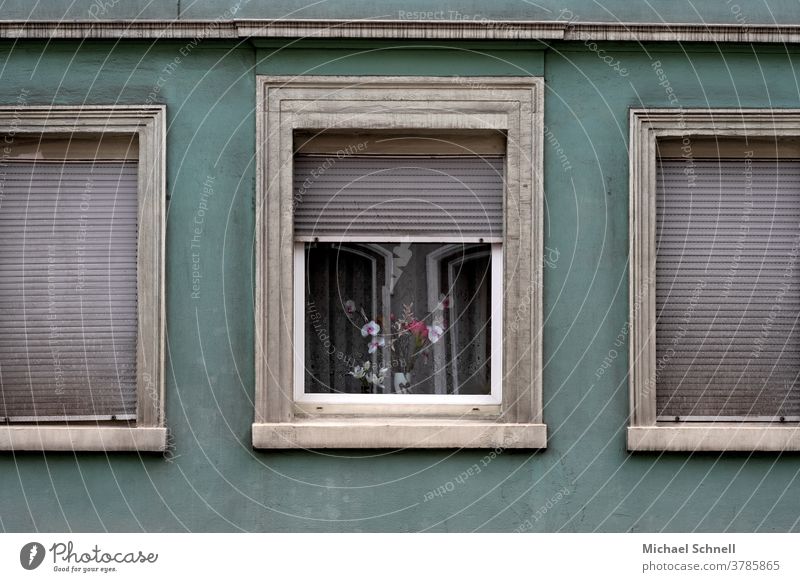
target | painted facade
x=211, y=479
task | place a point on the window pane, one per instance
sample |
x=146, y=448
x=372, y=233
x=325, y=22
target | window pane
x=398, y=318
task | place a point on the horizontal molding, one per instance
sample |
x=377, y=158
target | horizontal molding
x=82, y=438
x=406, y=433
x=715, y=438
x=779, y=33
x=401, y=29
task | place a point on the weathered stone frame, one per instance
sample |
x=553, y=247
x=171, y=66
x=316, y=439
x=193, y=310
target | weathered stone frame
x=149, y=432
x=646, y=127
x=509, y=104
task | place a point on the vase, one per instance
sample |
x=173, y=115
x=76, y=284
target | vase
x=402, y=381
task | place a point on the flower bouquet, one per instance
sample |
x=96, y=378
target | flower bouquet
x=408, y=340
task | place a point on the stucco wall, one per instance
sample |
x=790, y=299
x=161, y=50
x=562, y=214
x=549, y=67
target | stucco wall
x=213, y=480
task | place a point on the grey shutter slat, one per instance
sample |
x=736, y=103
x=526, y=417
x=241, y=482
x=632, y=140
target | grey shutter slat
x=367, y=198
x=728, y=290
x=68, y=290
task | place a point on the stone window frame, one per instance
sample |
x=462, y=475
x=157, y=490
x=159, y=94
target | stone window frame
x=148, y=123
x=647, y=126
x=513, y=105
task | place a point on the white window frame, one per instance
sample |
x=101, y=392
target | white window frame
x=148, y=432
x=645, y=432
x=283, y=416
x=318, y=403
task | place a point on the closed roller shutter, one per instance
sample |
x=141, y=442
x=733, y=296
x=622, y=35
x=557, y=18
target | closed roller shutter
x=728, y=290
x=372, y=198
x=68, y=290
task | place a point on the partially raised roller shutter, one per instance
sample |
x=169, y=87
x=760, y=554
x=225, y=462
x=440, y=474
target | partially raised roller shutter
x=371, y=198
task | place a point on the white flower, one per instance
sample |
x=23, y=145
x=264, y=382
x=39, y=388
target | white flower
x=349, y=306
x=375, y=344
x=434, y=333
x=370, y=328
x=360, y=371
x=378, y=379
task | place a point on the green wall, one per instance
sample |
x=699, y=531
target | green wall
x=213, y=480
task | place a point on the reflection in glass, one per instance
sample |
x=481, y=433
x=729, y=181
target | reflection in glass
x=398, y=318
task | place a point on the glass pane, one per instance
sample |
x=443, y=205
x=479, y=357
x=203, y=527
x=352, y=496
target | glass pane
x=398, y=318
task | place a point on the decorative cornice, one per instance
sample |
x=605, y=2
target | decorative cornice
x=400, y=29
x=784, y=34
x=136, y=29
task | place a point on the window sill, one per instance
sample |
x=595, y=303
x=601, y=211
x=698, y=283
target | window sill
x=82, y=438
x=374, y=433
x=715, y=437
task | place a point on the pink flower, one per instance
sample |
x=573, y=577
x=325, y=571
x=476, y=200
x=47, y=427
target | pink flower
x=418, y=328
x=349, y=307
x=375, y=344
x=370, y=328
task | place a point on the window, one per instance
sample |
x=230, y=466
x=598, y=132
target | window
x=390, y=315
x=374, y=328
x=81, y=259
x=386, y=230
x=715, y=283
